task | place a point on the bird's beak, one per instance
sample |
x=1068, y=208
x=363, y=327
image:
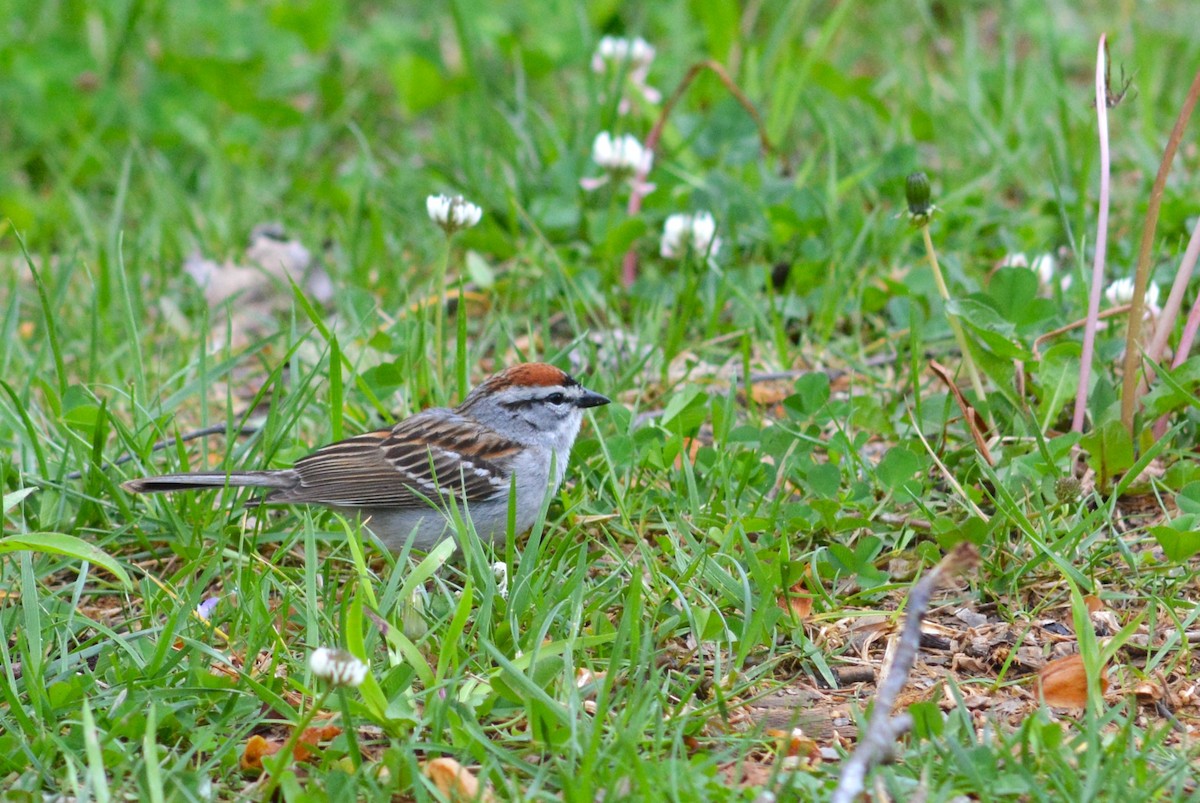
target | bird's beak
x=590, y=399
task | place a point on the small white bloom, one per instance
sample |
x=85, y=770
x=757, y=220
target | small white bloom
x=1044, y=266
x=632, y=55
x=1016, y=260
x=452, y=213
x=1152, y=299
x=338, y=667
x=1121, y=292
x=683, y=231
x=617, y=50
x=500, y=569
x=623, y=154
x=621, y=158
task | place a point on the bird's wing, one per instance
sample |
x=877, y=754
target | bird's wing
x=423, y=458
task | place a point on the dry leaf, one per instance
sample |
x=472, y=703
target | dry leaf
x=455, y=781
x=1148, y=693
x=586, y=677
x=975, y=422
x=312, y=737
x=256, y=748
x=1063, y=682
x=769, y=393
x=797, y=600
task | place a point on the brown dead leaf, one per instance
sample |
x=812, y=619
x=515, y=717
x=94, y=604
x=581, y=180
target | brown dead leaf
x=256, y=748
x=1148, y=693
x=796, y=745
x=769, y=393
x=455, y=781
x=586, y=677
x=797, y=600
x=1063, y=682
x=975, y=422
x=312, y=737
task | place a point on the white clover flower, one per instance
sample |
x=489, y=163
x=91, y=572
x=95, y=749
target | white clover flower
x=1121, y=292
x=452, y=213
x=632, y=55
x=1152, y=299
x=621, y=158
x=1016, y=260
x=697, y=232
x=621, y=154
x=500, y=570
x=617, y=50
x=338, y=667
x=1044, y=266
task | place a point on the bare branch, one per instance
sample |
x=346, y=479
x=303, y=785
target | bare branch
x=883, y=729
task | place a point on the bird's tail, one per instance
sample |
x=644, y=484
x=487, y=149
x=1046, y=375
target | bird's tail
x=191, y=482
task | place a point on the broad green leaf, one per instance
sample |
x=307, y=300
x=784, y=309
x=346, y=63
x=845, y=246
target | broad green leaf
x=994, y=332
x=1179, y=539
x=1109, y=448
x=1188, y=498
x=66, y=545
x=1057, y=378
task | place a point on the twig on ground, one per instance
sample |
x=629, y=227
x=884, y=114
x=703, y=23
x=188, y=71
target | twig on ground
x=883, y=729
x=1073, y=325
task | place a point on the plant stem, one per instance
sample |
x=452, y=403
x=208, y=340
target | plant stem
x=439, y=313
x=460, y=346
x=1170, y=310
x=959, y=335
x=1093, y=313
x=629, y=264
x=348, y=728
x=1129, y=381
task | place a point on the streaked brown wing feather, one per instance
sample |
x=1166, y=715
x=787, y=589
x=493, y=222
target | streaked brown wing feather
x=424, y=457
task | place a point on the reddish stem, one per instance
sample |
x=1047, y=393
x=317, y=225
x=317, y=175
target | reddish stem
x=1093, y=312
x=1129, y=383
x=629, y=264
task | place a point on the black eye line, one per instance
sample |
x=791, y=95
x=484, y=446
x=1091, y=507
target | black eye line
x=552, y=398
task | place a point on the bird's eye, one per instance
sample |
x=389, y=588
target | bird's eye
x=556, y=398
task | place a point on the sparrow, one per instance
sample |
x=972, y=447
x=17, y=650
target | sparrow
x=513, y=433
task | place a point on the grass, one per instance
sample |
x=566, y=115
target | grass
x=642, y=638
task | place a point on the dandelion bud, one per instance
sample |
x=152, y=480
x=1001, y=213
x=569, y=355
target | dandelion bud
x=917, y=193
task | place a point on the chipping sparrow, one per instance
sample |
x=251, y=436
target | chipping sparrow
x=513, y=431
